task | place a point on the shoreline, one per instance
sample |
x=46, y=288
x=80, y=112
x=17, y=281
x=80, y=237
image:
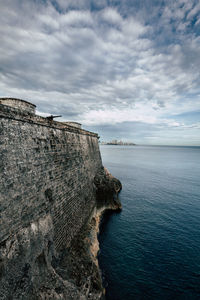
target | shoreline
x=81, y=258
x=94, y=242
x=95, y=230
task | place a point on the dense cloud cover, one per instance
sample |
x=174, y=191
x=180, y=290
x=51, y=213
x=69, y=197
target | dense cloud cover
x=127, y=69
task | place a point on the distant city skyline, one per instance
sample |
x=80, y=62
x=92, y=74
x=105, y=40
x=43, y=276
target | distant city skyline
x=129, y=70
x=117, y=142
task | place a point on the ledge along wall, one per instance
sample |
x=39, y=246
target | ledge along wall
x=46, y=167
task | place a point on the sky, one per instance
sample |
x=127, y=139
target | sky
x=126, y=69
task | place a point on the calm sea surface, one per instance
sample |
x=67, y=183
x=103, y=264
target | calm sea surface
x=151, y=250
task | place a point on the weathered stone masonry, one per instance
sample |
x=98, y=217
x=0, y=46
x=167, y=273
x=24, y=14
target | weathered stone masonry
x=45, y=166
x=52, y=184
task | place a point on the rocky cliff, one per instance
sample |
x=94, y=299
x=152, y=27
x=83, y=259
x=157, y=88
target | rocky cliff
x=53, y=189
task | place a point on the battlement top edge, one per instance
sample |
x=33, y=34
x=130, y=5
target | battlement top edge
x=16, y=99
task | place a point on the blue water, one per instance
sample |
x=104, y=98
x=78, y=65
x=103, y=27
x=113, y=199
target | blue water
x=151, y=250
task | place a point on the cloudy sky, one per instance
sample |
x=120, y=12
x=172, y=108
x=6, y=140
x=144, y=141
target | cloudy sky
x=126, y=69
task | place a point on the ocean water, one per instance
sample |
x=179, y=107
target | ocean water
x=151, y=250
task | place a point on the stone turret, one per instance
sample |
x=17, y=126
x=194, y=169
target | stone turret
x=19, y=104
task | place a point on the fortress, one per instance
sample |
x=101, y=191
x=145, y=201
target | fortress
x=51, y=186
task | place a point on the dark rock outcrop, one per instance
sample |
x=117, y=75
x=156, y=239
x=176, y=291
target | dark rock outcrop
x=107, y=190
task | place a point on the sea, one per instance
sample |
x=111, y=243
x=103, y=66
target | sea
x=151, y=249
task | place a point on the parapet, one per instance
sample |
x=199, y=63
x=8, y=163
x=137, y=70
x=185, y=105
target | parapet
x=19, y=104
x=74, y=124
x=21, y=110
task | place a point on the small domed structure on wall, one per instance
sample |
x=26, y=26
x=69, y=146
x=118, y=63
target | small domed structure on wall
x=19, y=104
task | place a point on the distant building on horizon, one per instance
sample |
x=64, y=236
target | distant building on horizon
x=120, y=143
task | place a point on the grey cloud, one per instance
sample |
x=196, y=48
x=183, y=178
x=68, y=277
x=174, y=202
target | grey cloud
x=71, y=59
x=79, y=4
x=161, y=104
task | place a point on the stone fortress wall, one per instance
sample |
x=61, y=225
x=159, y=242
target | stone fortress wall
x=52, y=189
x=47, y=167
